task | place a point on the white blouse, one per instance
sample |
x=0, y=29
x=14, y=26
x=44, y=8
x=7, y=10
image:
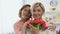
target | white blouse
x=42, y=32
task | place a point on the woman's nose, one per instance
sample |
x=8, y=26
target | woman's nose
x=36, y=12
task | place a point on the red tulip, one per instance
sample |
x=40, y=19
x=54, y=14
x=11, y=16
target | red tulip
x=37, y=21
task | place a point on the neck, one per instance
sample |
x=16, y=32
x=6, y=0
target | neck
x=24, y=20
x=40, y=18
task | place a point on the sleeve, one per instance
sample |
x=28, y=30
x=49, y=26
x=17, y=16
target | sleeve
x=17, y=29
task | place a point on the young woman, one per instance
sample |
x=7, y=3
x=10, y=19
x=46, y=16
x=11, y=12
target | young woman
x=24, y=14
x=38, y=11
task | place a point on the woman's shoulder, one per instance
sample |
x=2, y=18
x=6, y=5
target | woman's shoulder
x=17, y=26
x=16, y=23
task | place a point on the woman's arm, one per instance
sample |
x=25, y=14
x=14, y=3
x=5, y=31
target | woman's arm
x=35, y=30
x=18, y=29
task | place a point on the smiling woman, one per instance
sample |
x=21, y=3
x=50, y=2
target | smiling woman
x=25, y=14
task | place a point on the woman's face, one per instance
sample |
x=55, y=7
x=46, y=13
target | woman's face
x=37, y=12
x=25, y=13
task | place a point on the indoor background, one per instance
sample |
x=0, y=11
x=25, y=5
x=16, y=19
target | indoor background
x=9, y=13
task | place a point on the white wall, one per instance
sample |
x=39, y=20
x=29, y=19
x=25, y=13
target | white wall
x=9, y=14
x=42, y=1
x=46, y=3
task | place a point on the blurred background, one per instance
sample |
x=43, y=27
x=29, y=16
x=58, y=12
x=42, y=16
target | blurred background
x=9, y=13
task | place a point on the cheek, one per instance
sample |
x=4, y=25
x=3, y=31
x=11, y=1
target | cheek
x=40, y=13
x=34, y=14
x=22, y=14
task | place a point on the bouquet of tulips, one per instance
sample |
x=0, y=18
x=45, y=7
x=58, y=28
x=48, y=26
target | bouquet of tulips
x=35, y=22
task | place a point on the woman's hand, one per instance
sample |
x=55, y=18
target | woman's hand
x=35, y=30
x=23, y=30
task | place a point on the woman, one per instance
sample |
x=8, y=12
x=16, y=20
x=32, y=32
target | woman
x=24, y=14
x=38, y=11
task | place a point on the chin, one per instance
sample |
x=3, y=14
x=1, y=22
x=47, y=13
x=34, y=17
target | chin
x=26, y=18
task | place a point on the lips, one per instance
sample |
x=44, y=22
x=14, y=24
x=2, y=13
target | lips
x=27, y=14
x=36, y=15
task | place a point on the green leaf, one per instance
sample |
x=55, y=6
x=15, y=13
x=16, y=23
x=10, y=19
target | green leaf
x=34, y=24
x=40, y=27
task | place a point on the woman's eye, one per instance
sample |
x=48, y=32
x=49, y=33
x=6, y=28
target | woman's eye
x=25, y=10
x=38, y=10
x=33, y=10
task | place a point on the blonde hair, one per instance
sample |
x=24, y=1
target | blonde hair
x=39, y=4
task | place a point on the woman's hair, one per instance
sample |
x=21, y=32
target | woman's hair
x=24, y=6
x=39, y=4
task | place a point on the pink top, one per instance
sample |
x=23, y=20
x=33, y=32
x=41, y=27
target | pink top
x=17, y=27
